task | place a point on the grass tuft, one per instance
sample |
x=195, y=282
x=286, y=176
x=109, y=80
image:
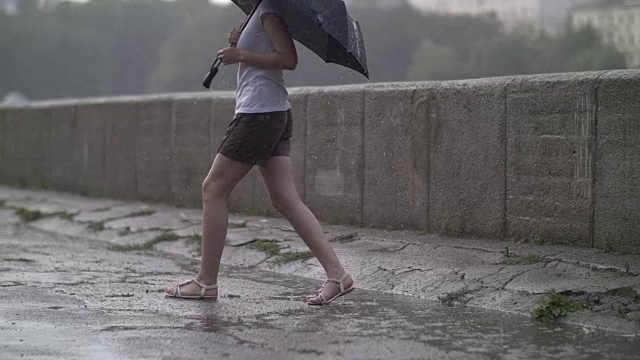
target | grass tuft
x=522, y=259
x=555, y=305
x=67, y=215
x=270, y=247
x=167, y=236
x=20, y=260
x=455, y=298
x=97, y=226
x=293, y=256
x=143, y=212
x=195, y=237
x=29, y=215
x=626, y=292
x=237, y=225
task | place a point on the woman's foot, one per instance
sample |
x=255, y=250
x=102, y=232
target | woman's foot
x=332, y=289
x=193, y=290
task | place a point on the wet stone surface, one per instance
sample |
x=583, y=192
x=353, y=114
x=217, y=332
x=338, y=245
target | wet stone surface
x=495, y=275
x=65, y=297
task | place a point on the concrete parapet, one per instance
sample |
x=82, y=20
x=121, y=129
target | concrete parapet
x=466, y=157
x=121, y=122
x=617, y=186
x=547, y=159
x=153, y=153
x=27, y=146
x=395, y=148
x=191, y=149
x=334, y=154
x=91, y=145
x=65, y=156
x=550, y=122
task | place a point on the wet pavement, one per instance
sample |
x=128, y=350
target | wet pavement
x=64, y=297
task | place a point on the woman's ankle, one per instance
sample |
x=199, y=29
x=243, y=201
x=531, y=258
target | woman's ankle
x=206, y=280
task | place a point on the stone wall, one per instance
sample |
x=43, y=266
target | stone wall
x=547, y=159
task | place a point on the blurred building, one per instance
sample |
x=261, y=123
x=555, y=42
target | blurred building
x=547, y=15
x=50, y=4
x=13, y=7
x=374, y=3
x=9, y=6
x=618, y=22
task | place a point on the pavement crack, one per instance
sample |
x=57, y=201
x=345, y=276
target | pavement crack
x=406, y=271
x=401, y=248
x=516, y=276
x=462, y=247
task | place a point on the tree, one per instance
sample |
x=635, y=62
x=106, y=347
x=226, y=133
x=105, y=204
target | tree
x=436, y=62
x=606, y=58
x=510, y=54
x=189, y=52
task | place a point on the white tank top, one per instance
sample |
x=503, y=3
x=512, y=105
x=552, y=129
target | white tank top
x=259, y=90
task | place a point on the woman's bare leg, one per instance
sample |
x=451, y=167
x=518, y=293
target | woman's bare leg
x=277, y=174
x=222, y=178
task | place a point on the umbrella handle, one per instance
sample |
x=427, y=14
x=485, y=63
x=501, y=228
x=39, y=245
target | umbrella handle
x=212, y=74
x=215, y=67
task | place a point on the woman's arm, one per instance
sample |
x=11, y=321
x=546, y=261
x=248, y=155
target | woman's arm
x=284, y=57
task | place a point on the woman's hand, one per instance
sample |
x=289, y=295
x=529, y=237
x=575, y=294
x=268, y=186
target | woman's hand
x=234, y=36
x=230, y=55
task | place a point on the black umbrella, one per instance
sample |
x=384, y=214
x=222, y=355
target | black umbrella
x=326, y=28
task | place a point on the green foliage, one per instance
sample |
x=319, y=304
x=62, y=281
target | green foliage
x=436, y=62
x=522, y=260
x=97, y=226
x=67, y=215
x=29, y=215
x=624, y=292
x=23, y=260
x=271, y=248
x=555, y=305
x=108, y=47
x=455, y=298
x=293, y=256
x=166, y=236
x=143, y=212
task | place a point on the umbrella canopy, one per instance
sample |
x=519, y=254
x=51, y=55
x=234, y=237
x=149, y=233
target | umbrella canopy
x=324, y=27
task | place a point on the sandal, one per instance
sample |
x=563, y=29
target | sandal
x=342, y=292
x=203, y=290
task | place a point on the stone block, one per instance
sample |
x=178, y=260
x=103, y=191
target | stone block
x=28, y=155
x=153, y=154
x=66, y=157
x=12, y=150
x=617, y=187
x=334, y=162
x=396, y=149
x=463, y=149
x=550, y=140
x=121, y=121
x=91, y=145
x=192, y=154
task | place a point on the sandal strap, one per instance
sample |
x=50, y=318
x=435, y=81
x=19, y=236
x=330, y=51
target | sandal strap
x=324, y=299
x=203, y=287
x=339, y=282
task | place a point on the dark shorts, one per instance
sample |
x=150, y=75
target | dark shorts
x=255, y=138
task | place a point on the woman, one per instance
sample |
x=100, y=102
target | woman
x=260, y=134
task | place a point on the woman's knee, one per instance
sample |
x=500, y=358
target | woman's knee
x=284, y=204
x=212, y=191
